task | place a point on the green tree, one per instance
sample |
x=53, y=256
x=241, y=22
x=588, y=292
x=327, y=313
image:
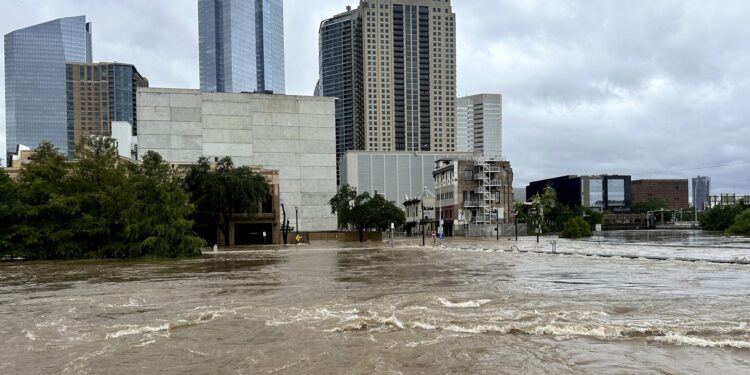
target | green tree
x=224, y=191
x=364, y=212
x=156, y=224
x=99, y=206
x=341, y=205
x=7, y=212
x=719, y=218
x=576, y=227
x=99, y=192
x=385, y=213
x=591, y=216
x=546, y=211
x=45, y=212
x=741, y=224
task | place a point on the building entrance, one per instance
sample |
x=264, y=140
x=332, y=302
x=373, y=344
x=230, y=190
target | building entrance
x=252, y=234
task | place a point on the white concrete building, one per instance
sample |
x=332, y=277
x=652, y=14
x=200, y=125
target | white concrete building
x=122, y=131
x=479, y=125
x=398, y=175
x=294, y=135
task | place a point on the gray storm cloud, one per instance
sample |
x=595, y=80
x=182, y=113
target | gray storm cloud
x=652, y=89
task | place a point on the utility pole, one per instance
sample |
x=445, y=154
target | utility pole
x=296, y=219
x=422, y=220
x=497, y=224
x=496, y=198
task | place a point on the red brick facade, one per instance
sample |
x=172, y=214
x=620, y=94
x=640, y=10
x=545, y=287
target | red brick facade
x=674, y=191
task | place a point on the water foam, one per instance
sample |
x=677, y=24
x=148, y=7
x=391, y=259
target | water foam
x=309, y=316
x=422, y=325
x=373, y=322
x=477, y=303
x=145, y=343
x=482, y=328
x=134, y=330
x=677, y=339
x=29, y=335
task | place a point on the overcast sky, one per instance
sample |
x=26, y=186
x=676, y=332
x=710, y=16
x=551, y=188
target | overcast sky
x=655, y=89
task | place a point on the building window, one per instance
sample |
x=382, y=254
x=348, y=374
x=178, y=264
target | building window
x=468, y=175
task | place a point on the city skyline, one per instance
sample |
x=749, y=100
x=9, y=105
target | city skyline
x=650, y=90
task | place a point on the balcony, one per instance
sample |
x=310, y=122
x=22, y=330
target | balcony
x=488, y=168
x=468, y=204
x=482, y=190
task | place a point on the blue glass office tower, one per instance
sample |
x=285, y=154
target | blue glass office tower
x=35, y=87
x=241, y=45
x=340, y=40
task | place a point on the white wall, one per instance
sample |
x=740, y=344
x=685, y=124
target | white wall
x=122, y=131
x=395, y=174
x=292, y=134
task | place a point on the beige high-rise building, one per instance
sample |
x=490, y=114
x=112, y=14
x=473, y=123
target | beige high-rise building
x=408, y=60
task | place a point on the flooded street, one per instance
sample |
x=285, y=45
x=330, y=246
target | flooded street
x=466, y=306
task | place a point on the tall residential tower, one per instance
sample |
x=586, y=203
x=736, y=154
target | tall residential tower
x=97, y=95
x=480, y=125
x=241, y=45
x=35, y=88
x=404, y=53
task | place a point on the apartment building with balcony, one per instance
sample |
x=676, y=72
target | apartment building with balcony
x=473, y=192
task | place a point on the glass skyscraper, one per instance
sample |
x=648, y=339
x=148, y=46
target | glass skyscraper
x=241, y=45
x=341, y=77
x=35, y=88
x=701, y=192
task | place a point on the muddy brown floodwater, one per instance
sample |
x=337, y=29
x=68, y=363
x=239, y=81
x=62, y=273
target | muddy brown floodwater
x=464, y=307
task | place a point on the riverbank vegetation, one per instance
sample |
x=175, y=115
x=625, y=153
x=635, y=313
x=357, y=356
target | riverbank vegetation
x=741, y=224
x=99, y=206
x=576, y=228
x=553, y=217
x=733, y=220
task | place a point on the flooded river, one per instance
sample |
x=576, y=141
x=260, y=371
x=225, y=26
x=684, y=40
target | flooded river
x=465, y=306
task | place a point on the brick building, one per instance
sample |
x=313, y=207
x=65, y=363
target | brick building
x=675, y=192
x=477, y=192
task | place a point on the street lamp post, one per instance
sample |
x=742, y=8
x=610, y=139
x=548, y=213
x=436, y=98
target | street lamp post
x=296, y=219
x=421, y=220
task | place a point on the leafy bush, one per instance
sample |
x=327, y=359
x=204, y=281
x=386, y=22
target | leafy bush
x=720, y=218
x=576, y=228
x=741, y=225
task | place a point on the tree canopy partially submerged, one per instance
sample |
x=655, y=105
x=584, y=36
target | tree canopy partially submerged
x=96, y=207
x=223, y=191
x=364, y=212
